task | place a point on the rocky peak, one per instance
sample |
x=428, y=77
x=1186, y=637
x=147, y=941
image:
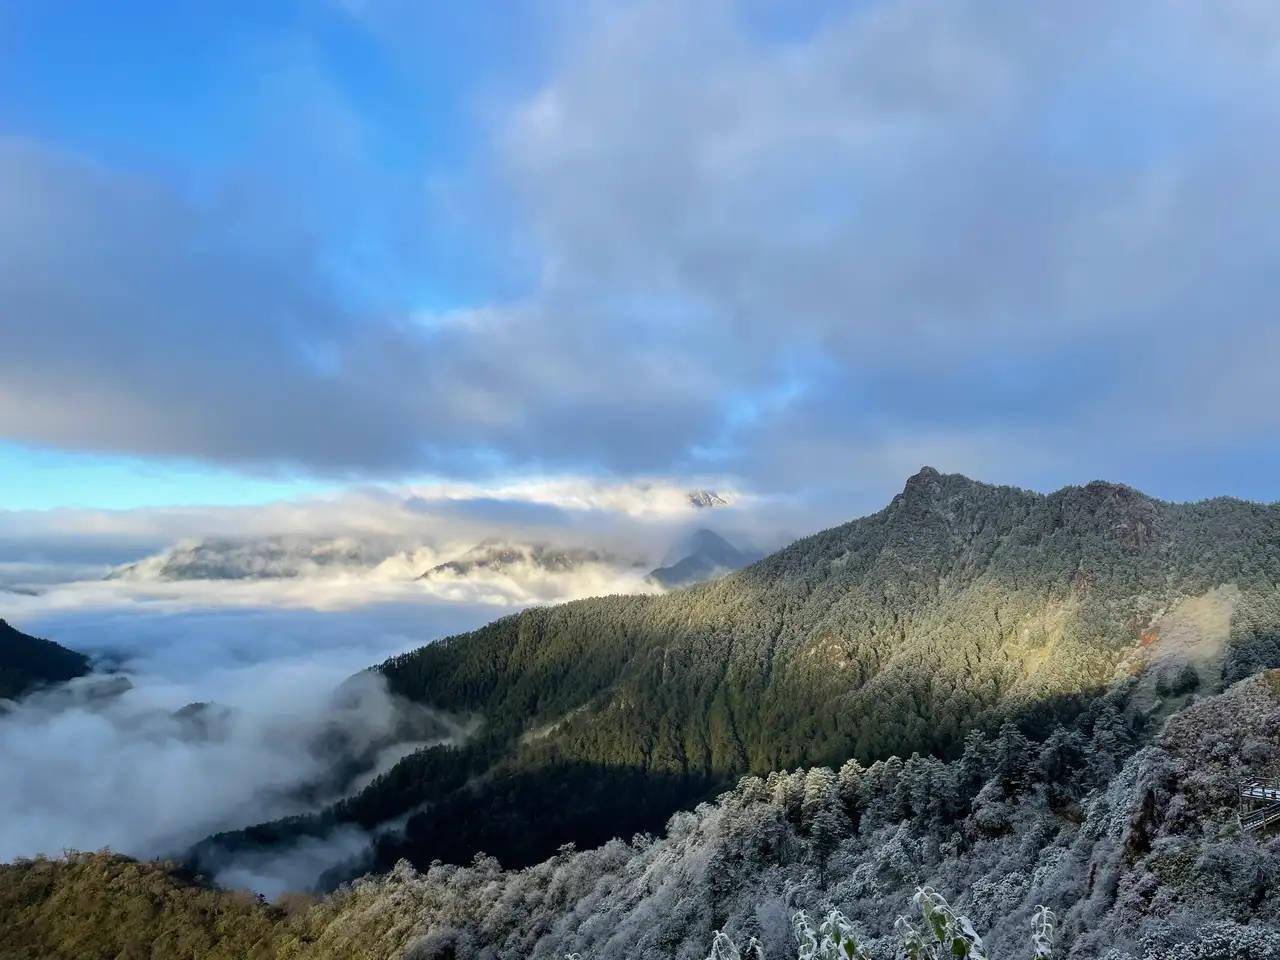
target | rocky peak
x=929, y=489
x=1120, y=512
x=704, y=499
x=924, y=482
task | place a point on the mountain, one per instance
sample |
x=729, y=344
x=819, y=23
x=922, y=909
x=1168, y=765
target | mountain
x=521, y=573
x=706, y=555
x=957, y=607
x=494, y=571
x=27, y=663
x=497, y=556
x=1127, y=834
x=978, y=689
x=263, y=559
x=702, y=499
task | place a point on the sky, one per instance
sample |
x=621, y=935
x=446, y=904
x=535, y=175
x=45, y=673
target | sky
x=259, y=252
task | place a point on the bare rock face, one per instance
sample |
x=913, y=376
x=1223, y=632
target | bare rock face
x=1129, y=517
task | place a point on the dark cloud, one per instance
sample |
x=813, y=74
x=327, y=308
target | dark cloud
x=1021, y=242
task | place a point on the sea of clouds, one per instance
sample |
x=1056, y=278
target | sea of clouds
x=91, y=765
x=104, y=763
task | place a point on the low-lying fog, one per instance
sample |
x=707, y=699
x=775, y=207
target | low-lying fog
x=261, y=613
x=91, y=765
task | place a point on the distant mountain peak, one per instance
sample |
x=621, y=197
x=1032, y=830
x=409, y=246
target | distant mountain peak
x=265, y=558
x=501, y=556
x=702, y=499
x=706, y=556
x=702, y=539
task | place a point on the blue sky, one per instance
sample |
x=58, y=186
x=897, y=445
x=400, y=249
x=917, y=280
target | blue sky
x=259, y=251
x=191, y=94
x=181, y=85
x=41, y=479
x=200, y=96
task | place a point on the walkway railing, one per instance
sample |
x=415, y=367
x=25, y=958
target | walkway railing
x=1259, y=805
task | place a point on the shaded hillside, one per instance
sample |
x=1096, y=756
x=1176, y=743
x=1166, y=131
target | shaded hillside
x=958, y=605
x=27, y=663
x=1127, y=833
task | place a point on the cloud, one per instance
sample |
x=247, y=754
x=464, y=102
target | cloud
x=807, y=260
x=952, y=226
x=136, y=321
x=268, y=653
x=1028, y=242
x=296, y=867
x=369, y=545
x=331, y=589
x=128, y=771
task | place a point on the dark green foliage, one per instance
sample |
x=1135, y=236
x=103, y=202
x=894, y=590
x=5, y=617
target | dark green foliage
x=1255, y=638
x=29, y=662
x=528, y=813
x=421, y=780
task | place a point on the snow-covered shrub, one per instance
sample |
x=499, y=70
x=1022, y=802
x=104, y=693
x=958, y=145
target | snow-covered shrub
x=942, y=934
x=834, y=938
x=723, y=948
x=1042, y=931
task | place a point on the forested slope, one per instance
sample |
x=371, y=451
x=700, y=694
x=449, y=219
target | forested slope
x=959, y=605
x=28, y=662
x=1125, y=831
x=101, y=905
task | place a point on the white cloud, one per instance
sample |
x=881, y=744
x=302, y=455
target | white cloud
x=936, y=224
x=371, y=545
x=124, y=771
x=340, y=594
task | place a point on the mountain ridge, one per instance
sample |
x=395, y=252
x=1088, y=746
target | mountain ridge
x=28, y=663
x=247, y=558
x=956, y=607
x=495, y=555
